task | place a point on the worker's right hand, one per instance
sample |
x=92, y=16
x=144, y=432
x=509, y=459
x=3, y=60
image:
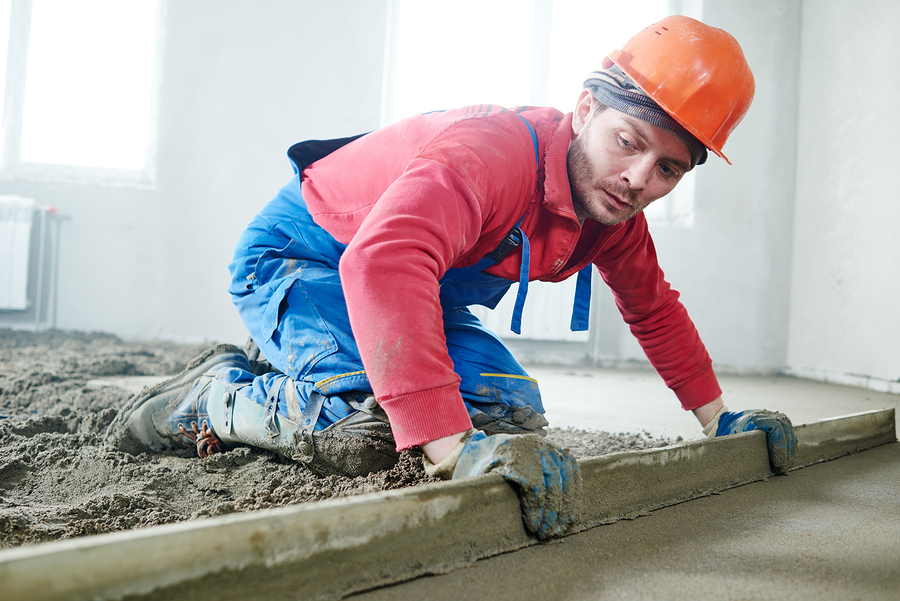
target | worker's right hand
x=547, y=478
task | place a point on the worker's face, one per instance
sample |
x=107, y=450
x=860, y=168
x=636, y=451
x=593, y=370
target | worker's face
x=619, y=164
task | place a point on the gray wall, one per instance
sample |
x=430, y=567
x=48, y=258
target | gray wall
x=791, y=262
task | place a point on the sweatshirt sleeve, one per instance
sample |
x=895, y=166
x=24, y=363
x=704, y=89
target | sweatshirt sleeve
x=429, y=218
x=656, y=316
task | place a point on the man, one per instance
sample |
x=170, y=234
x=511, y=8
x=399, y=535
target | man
x=354, y=280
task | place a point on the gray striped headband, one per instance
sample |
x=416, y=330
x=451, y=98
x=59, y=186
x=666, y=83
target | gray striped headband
x=614, y=89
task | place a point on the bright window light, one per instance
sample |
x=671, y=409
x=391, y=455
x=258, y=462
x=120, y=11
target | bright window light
x=584, y=32
x=5, y=6
x=90, y=83
x=451, y=54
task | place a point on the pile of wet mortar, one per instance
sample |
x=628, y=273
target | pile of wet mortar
x=59, y=479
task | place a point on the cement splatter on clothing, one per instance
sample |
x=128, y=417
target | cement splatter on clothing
x=59, y=479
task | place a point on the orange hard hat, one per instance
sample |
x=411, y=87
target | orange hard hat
x=694, y=72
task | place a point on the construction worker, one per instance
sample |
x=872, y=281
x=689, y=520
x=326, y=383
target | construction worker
x=354, y=281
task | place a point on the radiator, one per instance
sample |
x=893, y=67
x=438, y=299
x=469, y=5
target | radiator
x=547, y=313
x=16, y=215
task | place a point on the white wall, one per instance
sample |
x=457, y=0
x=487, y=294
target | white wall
x=846, y=271
x=242, y=81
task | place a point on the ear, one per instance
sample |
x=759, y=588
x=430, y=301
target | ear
x=582, y=113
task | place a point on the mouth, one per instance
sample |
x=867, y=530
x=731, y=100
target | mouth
x=615, y=202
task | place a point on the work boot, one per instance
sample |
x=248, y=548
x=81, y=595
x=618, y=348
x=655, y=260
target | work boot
x=195, y=408
x=173, y=413
x=356, y=445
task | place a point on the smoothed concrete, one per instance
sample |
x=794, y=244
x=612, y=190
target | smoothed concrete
x=633, y=400
x=831, y=438
x=828, y=532
x=321, y=550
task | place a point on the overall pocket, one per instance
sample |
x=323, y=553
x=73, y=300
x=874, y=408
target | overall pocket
x=282, y=302
x=298, y=334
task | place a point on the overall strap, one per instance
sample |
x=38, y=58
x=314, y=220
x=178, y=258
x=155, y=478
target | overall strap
x=581, y=308
x=516, y=325
x=515, y=238
x=534, y=140
x=581, y=311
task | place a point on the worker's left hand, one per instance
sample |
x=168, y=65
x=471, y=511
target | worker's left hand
x=780, y=438
x=547, y=478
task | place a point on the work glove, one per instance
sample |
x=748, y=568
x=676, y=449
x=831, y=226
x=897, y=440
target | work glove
x=547, y=479
x=780, y=440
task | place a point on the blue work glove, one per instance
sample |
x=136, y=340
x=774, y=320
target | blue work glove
x=779, y=431
x=547, y=478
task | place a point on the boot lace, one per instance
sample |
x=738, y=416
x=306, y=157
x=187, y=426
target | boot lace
x=206, y=440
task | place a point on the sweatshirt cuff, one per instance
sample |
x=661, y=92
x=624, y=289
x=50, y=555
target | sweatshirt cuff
x=420, y=417
x=699, y=390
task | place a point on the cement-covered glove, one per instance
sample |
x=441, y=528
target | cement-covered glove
x=547, y=479
x=780, y=438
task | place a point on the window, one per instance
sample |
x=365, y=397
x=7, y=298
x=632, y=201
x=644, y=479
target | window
x=445, y=54
x=81, y=87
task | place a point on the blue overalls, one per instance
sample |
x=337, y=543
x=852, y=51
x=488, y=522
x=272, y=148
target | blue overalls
x=287, y=290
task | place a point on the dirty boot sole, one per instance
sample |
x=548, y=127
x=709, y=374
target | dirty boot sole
x=133, y=431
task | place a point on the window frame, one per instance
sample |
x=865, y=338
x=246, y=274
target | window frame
x=14, y=169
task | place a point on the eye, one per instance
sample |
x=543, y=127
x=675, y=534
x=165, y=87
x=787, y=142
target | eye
x=625, y=142
x=669, y=171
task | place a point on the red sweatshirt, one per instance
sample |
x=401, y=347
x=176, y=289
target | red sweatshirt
x=441, y=190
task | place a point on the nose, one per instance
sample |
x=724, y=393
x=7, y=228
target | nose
x=637, y=173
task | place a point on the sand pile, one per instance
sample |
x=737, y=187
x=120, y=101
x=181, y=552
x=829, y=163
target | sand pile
x=58, y=479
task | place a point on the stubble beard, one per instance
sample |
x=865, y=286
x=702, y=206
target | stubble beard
x=584, y=187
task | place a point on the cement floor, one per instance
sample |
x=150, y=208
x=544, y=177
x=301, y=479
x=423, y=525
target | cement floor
x=828, y=531
x=615, y=400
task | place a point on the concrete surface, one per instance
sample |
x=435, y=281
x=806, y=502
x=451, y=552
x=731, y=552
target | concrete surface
x=622, y=400
x=323, y=550
x=328, y=548
x=828, y=531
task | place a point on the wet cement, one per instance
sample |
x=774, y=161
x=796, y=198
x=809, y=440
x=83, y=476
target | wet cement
x=59, y=479
x=828, y=531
